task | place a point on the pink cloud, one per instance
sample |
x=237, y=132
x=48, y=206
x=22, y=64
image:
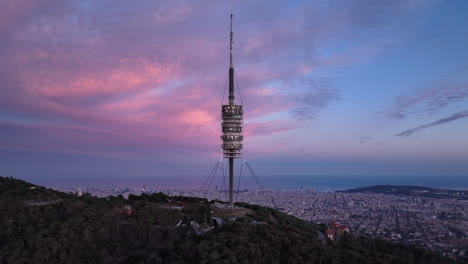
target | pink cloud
x=106, y=82
x=151, y=75
x=197, y=117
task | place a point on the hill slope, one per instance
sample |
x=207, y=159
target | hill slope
x=40, y=225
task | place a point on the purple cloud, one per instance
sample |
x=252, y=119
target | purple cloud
x=310, y=103
x=428, y=101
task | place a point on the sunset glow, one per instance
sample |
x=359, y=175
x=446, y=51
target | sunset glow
x=351, y=84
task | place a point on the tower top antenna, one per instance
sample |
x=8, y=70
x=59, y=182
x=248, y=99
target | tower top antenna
x=231, y=43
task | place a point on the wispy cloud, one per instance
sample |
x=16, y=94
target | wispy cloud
x=310, y=103
x=436, y=97
x=365, y=139
x=447, y=94
x=442, y=121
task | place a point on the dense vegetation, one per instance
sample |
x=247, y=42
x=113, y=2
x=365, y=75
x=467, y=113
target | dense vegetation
x=411, y=191
x=40, y=225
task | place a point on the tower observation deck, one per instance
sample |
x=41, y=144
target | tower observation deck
x=232, y=124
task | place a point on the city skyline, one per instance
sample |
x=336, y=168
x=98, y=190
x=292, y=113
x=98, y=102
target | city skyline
x=119, y=91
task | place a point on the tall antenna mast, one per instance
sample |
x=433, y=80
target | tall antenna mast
x=231, y=42
x=231, y=68
x=231, y=125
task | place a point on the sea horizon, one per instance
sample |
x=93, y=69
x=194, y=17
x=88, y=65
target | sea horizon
x=316, y=183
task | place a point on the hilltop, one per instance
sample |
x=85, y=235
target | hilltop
x=411, y=191
x=41, y=225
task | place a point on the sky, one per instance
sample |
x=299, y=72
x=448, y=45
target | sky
x=109, y=92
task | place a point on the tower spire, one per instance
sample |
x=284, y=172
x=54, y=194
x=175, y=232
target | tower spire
x=231, y=67
x=231, y=43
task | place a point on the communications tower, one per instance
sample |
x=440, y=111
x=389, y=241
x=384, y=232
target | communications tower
x=232, y=120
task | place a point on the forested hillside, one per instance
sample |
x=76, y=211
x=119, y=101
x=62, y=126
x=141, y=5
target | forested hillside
x=40, y=225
